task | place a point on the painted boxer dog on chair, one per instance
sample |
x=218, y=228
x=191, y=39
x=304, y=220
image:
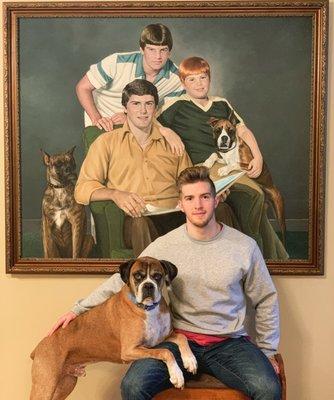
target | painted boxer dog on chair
x=235, y=155
x=122, y=329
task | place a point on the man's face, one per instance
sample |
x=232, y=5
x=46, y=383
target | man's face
x=198, y=203
x=140, y=110
x=155, y=57
x=197, y=85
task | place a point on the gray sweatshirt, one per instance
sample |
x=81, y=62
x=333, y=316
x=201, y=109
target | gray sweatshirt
x=215, y=278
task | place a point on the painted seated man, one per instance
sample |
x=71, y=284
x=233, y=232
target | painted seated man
x=100, y=90
x=188, y=115
x=133, y=166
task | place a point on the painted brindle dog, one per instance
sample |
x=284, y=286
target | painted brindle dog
x=63, y=219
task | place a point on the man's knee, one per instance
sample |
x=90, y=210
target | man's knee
x=145, y=378
x=133, y=388
x=266, y=388
x=137, y=383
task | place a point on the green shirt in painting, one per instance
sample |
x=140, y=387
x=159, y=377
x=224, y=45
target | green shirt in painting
x=190, y=120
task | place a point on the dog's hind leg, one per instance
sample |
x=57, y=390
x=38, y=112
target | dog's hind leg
x=65, y=386
x=49, y=246
x=44, y=384
x=47, y=370
x=87, y=246
x=276, y=200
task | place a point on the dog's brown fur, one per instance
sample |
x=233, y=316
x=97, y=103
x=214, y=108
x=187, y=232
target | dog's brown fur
x=63, y=219
x=113, y=331
x=273, y=195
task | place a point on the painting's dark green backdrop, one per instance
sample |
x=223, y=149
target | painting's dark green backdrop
x=262, y=65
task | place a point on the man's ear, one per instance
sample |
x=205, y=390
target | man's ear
x=124, y=270
x=217, y=200
x=170, y=270
x=45, y=157
x=180, y=205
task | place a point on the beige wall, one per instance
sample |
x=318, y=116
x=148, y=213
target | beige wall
x=30, y=304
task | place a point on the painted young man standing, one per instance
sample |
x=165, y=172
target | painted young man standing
x=219, y=268
x=100, y=89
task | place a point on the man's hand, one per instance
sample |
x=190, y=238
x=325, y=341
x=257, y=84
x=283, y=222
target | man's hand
x=63, y=321
x=131, y=203
x=255, y=167
x=274, y=363
x=118, y=118
x=223, y=195
x=105, y=123
x=173, y=140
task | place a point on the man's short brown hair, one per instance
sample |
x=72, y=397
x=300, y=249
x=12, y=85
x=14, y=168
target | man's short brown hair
x=139, y=87
x=194, y=175
x=157, y=35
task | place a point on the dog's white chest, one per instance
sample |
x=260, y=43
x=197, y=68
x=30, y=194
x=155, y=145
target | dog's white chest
x=231, y=157
x=158, y=327
x=59, y=218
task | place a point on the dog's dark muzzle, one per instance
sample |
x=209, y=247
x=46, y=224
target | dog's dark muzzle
x=148, y=290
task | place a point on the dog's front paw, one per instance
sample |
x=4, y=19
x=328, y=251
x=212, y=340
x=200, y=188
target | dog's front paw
x=176, y=376
x=223, y=171
x=190, y=363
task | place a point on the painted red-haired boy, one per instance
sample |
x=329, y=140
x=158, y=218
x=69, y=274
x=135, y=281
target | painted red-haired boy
x=188, y=116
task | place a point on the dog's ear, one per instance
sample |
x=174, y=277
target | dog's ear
x=232, y=118
x=212, y=121
x=170, y=269
x=45, y=156
x=124, y=270
x=71, y=151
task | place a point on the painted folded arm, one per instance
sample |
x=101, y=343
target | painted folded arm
x=94, y=170
x=98, y=76
x=256, y=164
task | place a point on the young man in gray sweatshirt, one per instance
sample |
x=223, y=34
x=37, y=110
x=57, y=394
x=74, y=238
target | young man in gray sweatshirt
x=219, y=268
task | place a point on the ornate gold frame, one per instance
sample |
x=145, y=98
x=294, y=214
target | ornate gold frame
x=12, y=12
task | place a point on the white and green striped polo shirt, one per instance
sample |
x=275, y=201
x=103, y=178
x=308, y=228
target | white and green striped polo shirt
x=113, y=73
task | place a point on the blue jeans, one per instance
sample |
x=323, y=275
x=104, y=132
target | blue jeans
x=236, y=362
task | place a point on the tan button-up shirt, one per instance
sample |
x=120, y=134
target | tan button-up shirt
x=115, y=160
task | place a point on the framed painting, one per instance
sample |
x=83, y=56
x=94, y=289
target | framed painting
x=267, y=58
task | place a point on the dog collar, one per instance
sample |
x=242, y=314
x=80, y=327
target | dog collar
x=57, y=186
x=143, y=306
x=146, y=307
x=231, y=148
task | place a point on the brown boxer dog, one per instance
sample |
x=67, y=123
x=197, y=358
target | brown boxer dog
x=122, y=329
x=235, y=155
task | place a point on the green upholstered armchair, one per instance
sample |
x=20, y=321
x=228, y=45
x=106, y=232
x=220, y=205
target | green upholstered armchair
x=108, y=218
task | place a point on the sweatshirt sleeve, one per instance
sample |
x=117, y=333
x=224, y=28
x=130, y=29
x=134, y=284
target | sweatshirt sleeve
x=260, y=289
x=102, y=293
